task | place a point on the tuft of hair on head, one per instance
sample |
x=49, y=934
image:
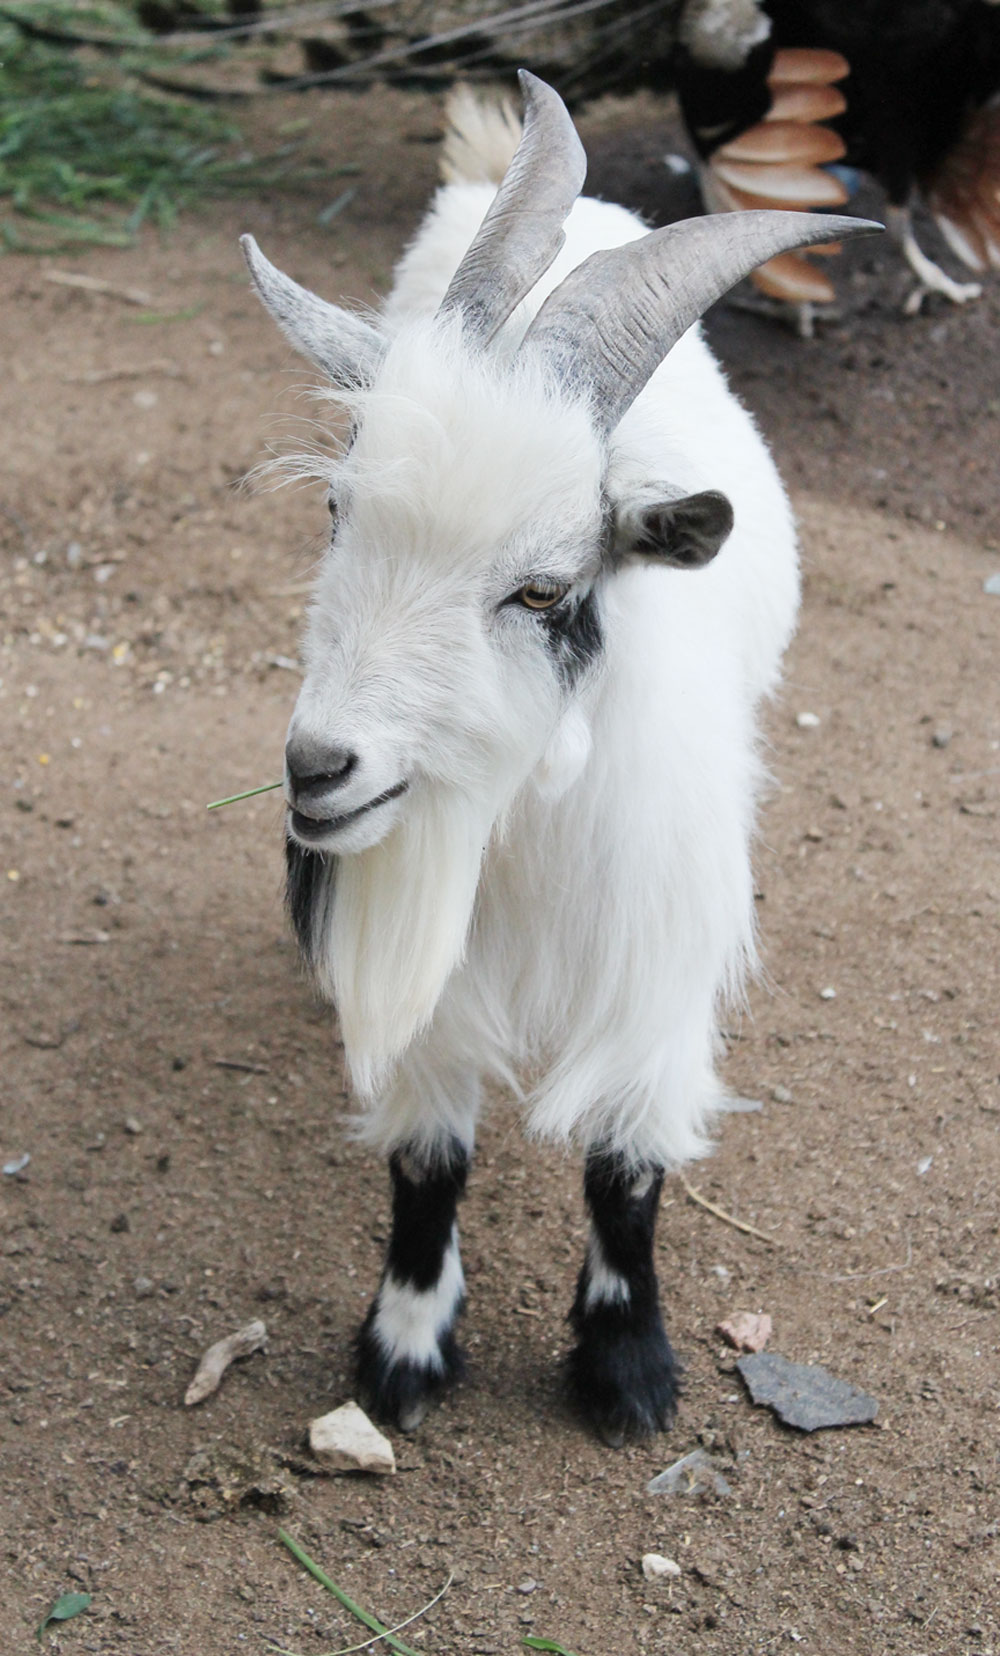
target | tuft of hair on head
x=480, y=137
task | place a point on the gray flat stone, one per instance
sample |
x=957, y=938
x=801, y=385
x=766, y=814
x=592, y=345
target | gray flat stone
x=804, y=1395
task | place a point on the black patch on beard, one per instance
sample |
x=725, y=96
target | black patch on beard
x=308, y=877
x=574, y=635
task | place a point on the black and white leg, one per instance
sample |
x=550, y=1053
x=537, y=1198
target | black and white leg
x=623, y=1372
x=406, y=1348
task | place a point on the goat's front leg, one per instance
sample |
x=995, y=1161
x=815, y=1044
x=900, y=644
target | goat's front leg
x=623, y=1372
x=406, y=1348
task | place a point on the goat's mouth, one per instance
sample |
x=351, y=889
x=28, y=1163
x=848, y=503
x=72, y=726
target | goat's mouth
x=311, y=828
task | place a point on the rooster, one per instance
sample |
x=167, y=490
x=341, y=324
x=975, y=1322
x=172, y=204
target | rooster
x=775, y=91
x=783, y=99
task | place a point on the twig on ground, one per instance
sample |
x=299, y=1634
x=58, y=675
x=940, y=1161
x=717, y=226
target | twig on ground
x=137, y=370
x=239, y=1064
x=208, y=1376
x=727, y=1218
x=96, y=284
x=880, y=1270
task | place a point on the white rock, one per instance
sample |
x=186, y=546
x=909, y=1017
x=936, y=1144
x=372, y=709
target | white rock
x=654, y=1564
x=348, y=1442
x=807, y=721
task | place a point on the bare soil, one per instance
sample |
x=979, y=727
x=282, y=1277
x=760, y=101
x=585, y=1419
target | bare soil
x=149, y=620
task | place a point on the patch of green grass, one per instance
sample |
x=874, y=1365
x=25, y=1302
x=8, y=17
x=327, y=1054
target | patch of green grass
x=89, y=154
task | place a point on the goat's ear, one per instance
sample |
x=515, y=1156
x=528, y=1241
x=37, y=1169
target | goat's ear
x=684, y=533
x=346, y=349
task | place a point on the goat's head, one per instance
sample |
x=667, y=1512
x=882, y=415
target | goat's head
x=477, y=521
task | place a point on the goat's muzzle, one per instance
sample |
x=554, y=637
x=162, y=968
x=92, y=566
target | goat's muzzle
x=316, y=789
x=315, y=775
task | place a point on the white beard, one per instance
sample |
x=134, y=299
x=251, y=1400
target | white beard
x=398, y=926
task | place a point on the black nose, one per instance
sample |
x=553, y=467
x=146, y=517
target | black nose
x=316, y=769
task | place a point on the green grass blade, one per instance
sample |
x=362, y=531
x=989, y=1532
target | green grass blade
x=268, y=786
x=546, y=1644
x=363, y=1616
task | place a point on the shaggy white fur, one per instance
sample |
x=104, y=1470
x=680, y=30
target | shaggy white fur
x=562, y=897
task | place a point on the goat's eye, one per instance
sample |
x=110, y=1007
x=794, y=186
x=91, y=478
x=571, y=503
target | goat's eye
x=331, y=506
x=538, y=596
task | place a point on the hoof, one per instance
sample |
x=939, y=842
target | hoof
x=401, y=1393
x=627, y=1384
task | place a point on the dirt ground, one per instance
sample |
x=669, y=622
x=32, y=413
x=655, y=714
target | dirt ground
x=179, y=1089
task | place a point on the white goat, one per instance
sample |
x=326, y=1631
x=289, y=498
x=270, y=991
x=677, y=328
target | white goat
x=521, y=770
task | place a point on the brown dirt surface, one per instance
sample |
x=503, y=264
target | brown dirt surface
x=149, y=619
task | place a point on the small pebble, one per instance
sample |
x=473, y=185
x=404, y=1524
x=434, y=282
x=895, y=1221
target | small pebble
x=807, y=721
x=527, y=1587
x=941, y=736
x=143, y=1287
x=924, y=1165
x=746, y=1330
x=828, y=993
x=18, y=1165
x=132, y=1125
x=991, y=585
x=781, y=1095
x=654, y=1564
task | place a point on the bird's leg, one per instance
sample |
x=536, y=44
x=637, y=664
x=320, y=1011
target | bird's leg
x=930, y=276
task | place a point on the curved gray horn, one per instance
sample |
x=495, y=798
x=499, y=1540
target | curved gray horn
x=346, y=348
x=609, y=325
x=522, y=232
